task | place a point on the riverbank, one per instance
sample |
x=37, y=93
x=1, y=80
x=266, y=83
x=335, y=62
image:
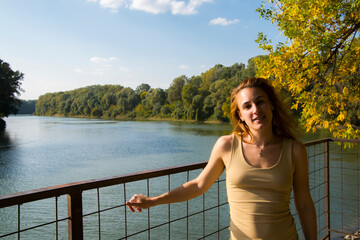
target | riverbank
x=125, y=118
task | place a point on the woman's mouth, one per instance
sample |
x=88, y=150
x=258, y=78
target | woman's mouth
x=258, y=118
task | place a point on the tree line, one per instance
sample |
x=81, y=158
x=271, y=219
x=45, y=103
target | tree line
x=199, y=98
x=27, y=107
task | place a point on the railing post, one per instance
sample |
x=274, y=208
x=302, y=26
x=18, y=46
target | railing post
x=75, y=222
x=327, y=189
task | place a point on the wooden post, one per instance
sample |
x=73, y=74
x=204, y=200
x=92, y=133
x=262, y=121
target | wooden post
x=327, y=189
x=75, y=222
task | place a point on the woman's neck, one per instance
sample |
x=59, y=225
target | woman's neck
x=263, y=138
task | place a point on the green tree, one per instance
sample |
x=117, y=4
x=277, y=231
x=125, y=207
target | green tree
x=27, y=107
x=142, y=111
x=197, y=104
x=165, y=111
x=158, y=95
x=156, y=110
x=319, y=64
x=175, y=89
x=179, y=111
x=188, y=93
x=220, y=90
x=96, y=112
x=142, y=88
x=10, y=83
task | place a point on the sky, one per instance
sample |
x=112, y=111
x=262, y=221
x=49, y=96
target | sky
x=62, y=45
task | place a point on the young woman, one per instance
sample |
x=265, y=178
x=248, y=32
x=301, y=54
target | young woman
x=263, y=162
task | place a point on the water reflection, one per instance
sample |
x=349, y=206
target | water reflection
x=202, y=129
x=10, y=165
x=6, y=154
x=5, y=141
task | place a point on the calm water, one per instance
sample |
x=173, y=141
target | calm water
x=38, y=152
x=44, y=151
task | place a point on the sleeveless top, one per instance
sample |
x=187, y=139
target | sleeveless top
x=259, y=197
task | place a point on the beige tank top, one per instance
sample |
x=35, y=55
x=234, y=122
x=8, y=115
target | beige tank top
x=259, y=198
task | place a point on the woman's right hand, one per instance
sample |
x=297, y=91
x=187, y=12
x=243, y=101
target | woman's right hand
x=138, y=202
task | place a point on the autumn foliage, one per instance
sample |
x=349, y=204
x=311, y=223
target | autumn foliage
x=319, y=63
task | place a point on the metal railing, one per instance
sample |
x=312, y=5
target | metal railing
x=96, y=209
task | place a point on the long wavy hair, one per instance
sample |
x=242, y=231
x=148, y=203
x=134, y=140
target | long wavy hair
x=283, y=123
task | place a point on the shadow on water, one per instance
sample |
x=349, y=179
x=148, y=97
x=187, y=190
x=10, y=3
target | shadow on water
x=8, y=162
x=5, y=141
x=202, y=129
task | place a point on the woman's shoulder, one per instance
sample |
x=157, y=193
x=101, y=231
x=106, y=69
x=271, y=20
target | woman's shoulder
x=224, y=142
x=299, y=153
x=222, y=148
x=226, y=139
x=298, y=146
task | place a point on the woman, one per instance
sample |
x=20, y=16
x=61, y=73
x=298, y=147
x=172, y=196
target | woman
x=263, y=162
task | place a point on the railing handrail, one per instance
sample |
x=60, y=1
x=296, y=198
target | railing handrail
x=323, y=140
x=63, y=189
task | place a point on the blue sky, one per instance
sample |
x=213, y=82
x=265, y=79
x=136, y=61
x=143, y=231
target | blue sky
x=66, y=44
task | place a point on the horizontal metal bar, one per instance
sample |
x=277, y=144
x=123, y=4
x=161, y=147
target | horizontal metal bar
x=208, y=235
x=103, y=210
x=315, y=142
x=345, y=233
x=43, y=193
x=34, y=227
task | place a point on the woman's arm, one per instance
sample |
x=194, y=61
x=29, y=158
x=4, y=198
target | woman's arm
x=193, y=188
x=303, y=201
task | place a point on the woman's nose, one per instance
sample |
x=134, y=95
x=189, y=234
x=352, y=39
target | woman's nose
x=256, y=109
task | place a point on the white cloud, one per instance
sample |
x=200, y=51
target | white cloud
x=78, y=70
x=103, y=66
x=113, y=4
x=180, y=7
x=124, y=69
x=223, y=21
x=97, y=72
x=151, y=6
x=183, y=67
x=103, y=60
x=155, y=6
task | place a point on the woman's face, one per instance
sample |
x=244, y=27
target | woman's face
x=255, y=108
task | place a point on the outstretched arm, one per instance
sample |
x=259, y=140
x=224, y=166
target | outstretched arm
x=303, y=201
x=193, y=188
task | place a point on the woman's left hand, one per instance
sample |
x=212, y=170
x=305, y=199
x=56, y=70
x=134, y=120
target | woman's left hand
x=138, y=202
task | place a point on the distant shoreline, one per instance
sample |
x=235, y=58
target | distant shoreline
x=124, y=118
